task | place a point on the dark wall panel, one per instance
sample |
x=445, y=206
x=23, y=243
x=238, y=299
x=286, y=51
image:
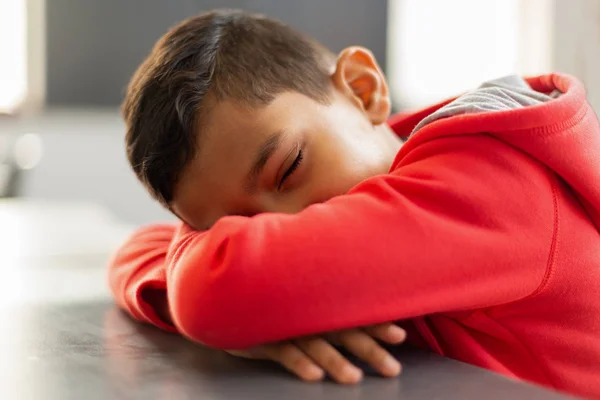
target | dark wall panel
x=94, y=46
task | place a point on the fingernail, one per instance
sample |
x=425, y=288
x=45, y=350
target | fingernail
x=398, y=333
x=351, y=374
x=314, y=373
x=391, y=366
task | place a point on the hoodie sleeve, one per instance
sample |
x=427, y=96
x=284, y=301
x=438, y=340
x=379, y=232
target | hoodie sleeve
x=136, y=275
x=462, y=222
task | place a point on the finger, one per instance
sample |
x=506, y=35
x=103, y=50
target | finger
x=294, y=360
x=255, y=353
x=388, y=332
x=328, y=358
x=367, y=349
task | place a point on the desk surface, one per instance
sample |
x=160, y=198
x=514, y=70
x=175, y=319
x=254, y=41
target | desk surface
x=62, y=338
x=93, y=351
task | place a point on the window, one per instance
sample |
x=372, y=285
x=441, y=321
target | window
x=438, y=49
x=13, y=54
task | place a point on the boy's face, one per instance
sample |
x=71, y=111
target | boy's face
x=291, y=153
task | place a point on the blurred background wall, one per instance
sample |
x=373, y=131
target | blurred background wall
x=93, y=46
x=65, y=65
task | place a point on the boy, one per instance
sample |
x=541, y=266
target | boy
x=305, y=223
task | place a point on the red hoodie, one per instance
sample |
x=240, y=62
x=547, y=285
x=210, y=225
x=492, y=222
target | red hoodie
x=488, y=243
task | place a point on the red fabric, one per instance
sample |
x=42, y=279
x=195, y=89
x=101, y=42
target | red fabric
x=484, y=235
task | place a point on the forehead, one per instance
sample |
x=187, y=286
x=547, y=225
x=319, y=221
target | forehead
x=228, y=140
x=233, y=131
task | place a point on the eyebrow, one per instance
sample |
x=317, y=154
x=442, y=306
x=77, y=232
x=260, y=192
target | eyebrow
x=264, y=153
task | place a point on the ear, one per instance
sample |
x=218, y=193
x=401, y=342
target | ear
x=358, y=77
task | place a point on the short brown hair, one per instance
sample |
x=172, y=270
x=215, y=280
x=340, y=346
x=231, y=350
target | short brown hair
x=227, y=53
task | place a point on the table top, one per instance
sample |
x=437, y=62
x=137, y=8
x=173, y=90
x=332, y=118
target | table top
x=93, y=351
x=63, y=338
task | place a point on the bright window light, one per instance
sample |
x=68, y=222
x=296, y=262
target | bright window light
x=13, y=54
x=438, y=49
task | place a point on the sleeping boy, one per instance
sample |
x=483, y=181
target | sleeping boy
x=307, y=223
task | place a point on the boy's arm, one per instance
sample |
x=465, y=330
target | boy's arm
x=136, y=275
x=137, y=280
x=464, y=222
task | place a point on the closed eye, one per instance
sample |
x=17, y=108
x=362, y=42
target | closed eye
x=292, y=168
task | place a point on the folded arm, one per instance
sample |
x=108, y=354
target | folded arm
x=443, y=232
x=136, y=275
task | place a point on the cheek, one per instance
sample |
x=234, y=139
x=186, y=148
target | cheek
x=352, y=149
x=343, y=156
x=337, y=174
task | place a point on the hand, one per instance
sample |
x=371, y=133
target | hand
x=310, y=358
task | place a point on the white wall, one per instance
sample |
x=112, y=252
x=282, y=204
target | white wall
x=84, y=159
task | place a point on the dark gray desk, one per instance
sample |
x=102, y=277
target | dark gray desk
x=93, y=351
